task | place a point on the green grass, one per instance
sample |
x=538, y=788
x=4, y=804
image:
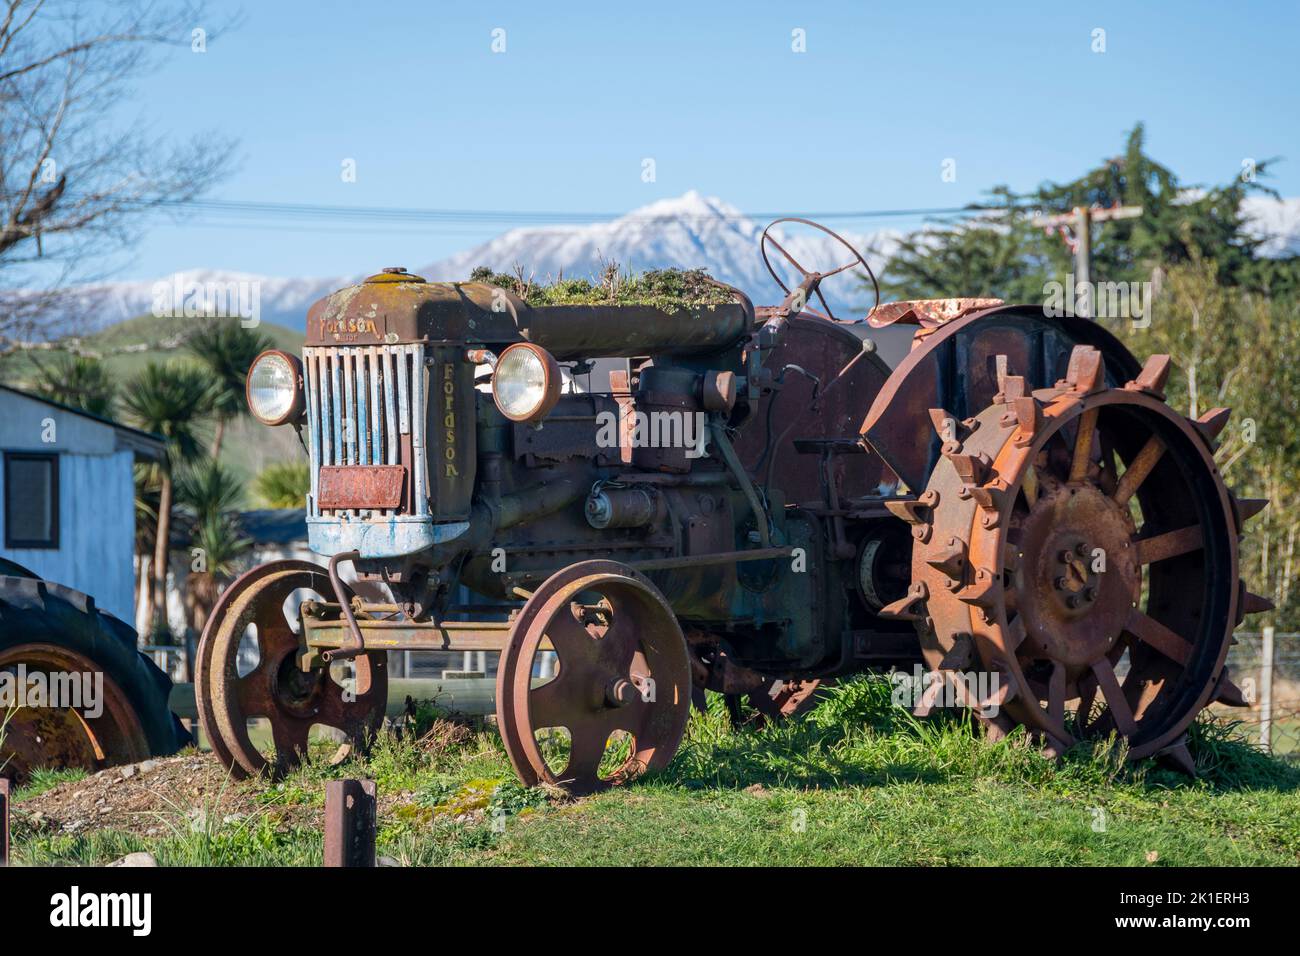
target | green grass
x=42, y=779
x=856, y=782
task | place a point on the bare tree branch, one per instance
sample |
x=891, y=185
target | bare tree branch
x=79, y=180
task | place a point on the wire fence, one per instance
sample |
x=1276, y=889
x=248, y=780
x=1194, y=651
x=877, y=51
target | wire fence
x=1273, y=692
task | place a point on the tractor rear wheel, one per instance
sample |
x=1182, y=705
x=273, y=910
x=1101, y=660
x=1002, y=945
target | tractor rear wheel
x=1079, y=546
x=53, y=631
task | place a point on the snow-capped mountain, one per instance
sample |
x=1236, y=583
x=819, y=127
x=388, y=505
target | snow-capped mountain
x=690, y=231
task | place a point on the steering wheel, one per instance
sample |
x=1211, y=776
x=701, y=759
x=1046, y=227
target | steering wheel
x=812, y=280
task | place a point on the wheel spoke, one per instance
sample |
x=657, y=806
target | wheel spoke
x=630, y=717
x=1109, y=478
x=577, y=650
x=622, y=640
x=1083, y=445
x=253, y=693
x=1087, y=694
x=547, y=706
x=1171, y=544
x=1137, y=472
x=1150, y=631
x=1015, y=634
x=1056, y=694
x=290, y=737
x=586, y=750
x=1113, y=694
x=1030, y=485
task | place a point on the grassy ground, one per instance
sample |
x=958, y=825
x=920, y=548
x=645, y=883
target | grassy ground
x=857, y=782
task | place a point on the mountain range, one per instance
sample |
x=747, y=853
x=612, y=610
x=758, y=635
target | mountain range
x=689, y=231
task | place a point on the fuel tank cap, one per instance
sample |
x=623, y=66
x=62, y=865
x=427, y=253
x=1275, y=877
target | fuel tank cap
x=393, y=274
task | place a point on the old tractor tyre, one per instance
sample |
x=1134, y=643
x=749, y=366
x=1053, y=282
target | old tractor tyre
x=48, y=628
x=293, y=701
x=1079, y=544
x=623, y=678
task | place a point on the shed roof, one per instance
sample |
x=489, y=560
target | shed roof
x=143, y=443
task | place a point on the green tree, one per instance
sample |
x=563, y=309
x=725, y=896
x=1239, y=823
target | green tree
x=991, y=255
x=169, y=400
x=227, y=349
x=209, y=497
x=77, y=381
x=1000, y=252
x=285, y=484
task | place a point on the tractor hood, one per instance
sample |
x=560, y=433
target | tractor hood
x=395, y=306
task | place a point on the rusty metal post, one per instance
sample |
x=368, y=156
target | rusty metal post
x=1266, y=691
x=350, y=823
x=4, y=822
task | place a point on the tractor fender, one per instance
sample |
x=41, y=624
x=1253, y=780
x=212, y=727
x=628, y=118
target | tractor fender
x=955, y=367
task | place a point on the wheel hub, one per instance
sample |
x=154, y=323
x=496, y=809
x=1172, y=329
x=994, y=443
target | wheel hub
x=1078, y=579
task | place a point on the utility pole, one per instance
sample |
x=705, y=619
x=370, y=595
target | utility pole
x=1082, y=218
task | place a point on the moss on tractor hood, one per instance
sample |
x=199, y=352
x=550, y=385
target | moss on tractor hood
x=665, y=289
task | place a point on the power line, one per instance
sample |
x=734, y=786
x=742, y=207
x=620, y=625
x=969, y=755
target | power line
x=318, y=211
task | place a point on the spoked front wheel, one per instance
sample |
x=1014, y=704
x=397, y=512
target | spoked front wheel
x=620, y=696
x=248, y=668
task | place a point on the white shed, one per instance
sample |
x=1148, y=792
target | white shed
x=68, y=496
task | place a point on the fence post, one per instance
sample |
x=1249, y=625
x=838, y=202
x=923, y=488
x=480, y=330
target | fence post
x=1266, y=691
x=350, y=823
x=4, y=822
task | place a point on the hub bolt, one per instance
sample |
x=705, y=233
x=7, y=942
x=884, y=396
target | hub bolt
x=620, y=692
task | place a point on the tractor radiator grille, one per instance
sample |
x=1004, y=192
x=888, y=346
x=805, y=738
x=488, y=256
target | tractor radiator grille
x=365, y=406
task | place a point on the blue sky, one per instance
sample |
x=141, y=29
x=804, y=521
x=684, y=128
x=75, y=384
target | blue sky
x=584, y=92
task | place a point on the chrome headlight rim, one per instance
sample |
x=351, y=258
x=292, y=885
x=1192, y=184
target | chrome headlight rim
x=551, y=382
x=297, y=404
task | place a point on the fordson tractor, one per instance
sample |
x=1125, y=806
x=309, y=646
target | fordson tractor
x=755, y=504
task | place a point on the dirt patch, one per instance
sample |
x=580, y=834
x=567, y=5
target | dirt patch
x=152, y=798
x=193, y=791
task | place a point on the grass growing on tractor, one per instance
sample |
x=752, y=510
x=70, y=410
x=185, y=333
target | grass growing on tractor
x=856, y=781
x=665, y=289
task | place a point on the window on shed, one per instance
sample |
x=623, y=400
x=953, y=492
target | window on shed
x=31, y=500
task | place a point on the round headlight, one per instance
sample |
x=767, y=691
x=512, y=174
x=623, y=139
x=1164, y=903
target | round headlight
x=274, y=388
x=526, y=382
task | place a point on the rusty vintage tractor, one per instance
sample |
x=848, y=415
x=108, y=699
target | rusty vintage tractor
x=754, y=505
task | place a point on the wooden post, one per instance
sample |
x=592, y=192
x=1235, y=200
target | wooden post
x=1266, y=691
x=350, y=823
x=4, y=822
x=1083, y=258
